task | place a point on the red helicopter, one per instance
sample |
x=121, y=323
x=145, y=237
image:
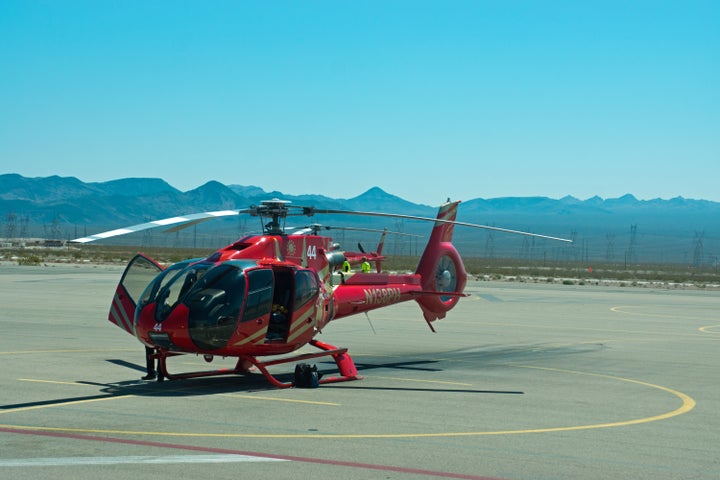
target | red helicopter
x=268, y=295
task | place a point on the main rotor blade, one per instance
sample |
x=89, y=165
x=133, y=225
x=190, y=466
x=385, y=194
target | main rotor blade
x=428, y=219
x=358, y=229
x=275, y=209
x=317, y=227
x=192, y=218
x=183, y=226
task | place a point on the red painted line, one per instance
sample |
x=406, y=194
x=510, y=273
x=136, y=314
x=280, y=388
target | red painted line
x=319, y=461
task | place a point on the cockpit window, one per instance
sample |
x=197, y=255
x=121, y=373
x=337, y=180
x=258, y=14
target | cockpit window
x=172, y=285
x=214, y=302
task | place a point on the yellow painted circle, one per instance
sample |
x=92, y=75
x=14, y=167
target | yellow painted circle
x=715, y=329
x=688, y=403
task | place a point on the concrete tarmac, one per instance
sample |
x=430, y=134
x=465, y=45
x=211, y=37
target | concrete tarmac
x=521, y=381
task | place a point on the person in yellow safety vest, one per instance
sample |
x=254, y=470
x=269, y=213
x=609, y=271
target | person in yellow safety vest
x=365, y=265
x=346, y=266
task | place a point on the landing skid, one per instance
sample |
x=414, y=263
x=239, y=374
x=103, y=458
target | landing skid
x=344, y=362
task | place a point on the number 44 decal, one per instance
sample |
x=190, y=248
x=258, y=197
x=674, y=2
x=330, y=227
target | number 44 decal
x=312, y=252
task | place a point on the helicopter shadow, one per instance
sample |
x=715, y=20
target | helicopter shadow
x=480, y=357
x=477, y=358
x=208, y=386
x=493, y=355
x=414, y=366
x=247, y=383
x=408, y=365
x=427, y=390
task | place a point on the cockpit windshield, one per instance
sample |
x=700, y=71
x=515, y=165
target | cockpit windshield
x=172, y=285
x=215, y=302
x=213, y=294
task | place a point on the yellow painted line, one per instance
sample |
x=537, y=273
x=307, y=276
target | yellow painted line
x=96, y=350
x=63, y=404
x=249, y=397
x=709, y=329
x=54, y=382
x=587, y=329
x=626, y=310
x=705, y=329
x=688, y=403
x=272, y=399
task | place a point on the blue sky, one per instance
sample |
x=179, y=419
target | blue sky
x=425, y=99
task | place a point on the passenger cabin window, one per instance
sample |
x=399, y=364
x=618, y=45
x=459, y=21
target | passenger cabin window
x=260, y=294
x=306, y=287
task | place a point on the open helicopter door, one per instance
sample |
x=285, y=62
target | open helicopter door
x=138, y=274
x=282, y=308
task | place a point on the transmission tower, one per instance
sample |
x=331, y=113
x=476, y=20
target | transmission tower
x=10, y=225
x=146, y=239
x=490, y=245
x=398, y=244
x=24, y=227
x=610, y=249
x=525, y=249
x=698, y=252
x=632, y=249
x=55, y=228
x=573, y=246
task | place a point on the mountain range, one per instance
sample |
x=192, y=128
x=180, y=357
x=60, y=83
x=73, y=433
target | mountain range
x=617, y=230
